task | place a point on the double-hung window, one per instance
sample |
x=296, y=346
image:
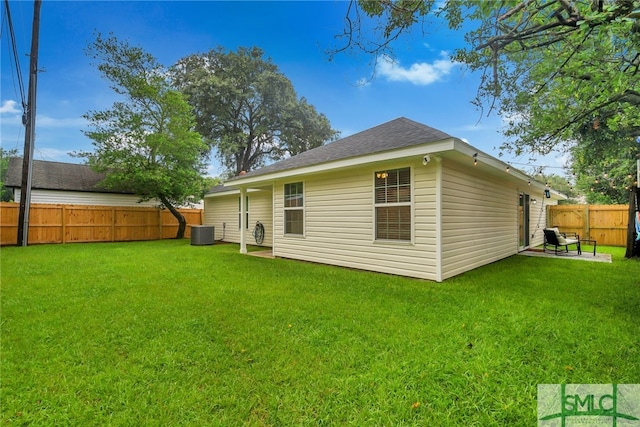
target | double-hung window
x=393, y=204
x=294, y=208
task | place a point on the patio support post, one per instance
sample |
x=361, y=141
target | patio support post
x=243, y=220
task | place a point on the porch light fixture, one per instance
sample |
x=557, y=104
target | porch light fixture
x=534, y=201
x=547, y=193
x=475, y=159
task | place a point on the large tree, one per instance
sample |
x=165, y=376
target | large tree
x=247, y=109
x=548, y=66
x=5, y=155
x=604, y=162
x=145, y=143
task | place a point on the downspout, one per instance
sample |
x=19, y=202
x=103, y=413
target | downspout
x=439, y=221
x=273, y=218
x=243, y=220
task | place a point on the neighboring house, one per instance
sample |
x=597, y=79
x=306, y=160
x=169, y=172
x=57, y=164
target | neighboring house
x=399, y=198
x=67, y=184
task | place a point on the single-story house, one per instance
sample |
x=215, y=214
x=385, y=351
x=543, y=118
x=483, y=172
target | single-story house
x=68, y=184
x=400, y=198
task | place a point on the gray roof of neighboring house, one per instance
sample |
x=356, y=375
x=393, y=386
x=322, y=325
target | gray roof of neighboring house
x=57, y=176
x=398, y=133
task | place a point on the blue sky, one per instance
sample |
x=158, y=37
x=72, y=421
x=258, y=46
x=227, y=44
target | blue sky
x=422, y=83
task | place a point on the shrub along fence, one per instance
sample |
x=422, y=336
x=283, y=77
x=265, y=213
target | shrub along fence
x=79, y=223
x=607, y=224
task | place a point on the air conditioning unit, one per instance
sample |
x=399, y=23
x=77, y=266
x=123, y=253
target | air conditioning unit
x=202, y=235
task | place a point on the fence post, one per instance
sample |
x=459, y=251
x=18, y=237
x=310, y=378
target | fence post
x=64, y=224
x=587, y=225
x=632, y=246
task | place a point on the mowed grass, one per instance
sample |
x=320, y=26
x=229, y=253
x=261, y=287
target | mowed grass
x=165, y=333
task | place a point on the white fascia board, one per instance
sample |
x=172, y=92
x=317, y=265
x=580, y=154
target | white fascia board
x=230, y=192
x=449, y=144
x=416, y=150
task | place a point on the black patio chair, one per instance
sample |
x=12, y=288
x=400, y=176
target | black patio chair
x=552, y=237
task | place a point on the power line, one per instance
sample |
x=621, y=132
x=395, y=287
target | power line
x=14, y=55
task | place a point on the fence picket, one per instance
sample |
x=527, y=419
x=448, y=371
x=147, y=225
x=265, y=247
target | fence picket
x=607, y=224
x=79, y=223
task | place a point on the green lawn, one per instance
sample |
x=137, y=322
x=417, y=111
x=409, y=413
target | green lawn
x=165, y=333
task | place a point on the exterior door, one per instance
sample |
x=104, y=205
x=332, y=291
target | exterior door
x=523, y=221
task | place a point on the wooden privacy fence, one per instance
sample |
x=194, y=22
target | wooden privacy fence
x=77, y=223
x=607, y=224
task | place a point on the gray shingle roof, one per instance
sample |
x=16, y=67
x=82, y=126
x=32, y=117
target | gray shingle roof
x=398, y=133
x=220, y=189
x=57, y=176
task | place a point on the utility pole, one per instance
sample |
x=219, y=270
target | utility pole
x=30, y=131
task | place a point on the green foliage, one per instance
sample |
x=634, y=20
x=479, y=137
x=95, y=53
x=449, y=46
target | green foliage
x=604, y=160
x=247, y=109
x=209, y=183
x=546, y=66
x=173, y=334
x=305, y=129
x=5, y=155
x=145, y=143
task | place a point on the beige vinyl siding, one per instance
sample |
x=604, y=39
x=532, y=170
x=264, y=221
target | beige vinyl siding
x=261, y=209
x=339, y=224
x=479, y=219
x=85, y=198
x=221, y=211
x=538, y=218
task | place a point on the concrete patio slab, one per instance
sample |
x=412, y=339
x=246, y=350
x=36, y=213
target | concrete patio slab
x=585, y=256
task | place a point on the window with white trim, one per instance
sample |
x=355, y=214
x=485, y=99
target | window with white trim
x=294, y=208
x=392, y=201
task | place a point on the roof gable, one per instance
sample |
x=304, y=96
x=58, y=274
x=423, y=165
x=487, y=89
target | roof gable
x=396, y=134
x=57, y=176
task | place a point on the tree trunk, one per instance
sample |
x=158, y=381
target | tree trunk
x=633, y=246
x=182, y=222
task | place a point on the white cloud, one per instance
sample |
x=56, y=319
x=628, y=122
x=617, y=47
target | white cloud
x=563, y=159
x=473, y=128
x=54, y=154
x=512, y=118
x=421, y=73
x=440, y=5
x=363, y=82
x=51, y=122
x=9, y=107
